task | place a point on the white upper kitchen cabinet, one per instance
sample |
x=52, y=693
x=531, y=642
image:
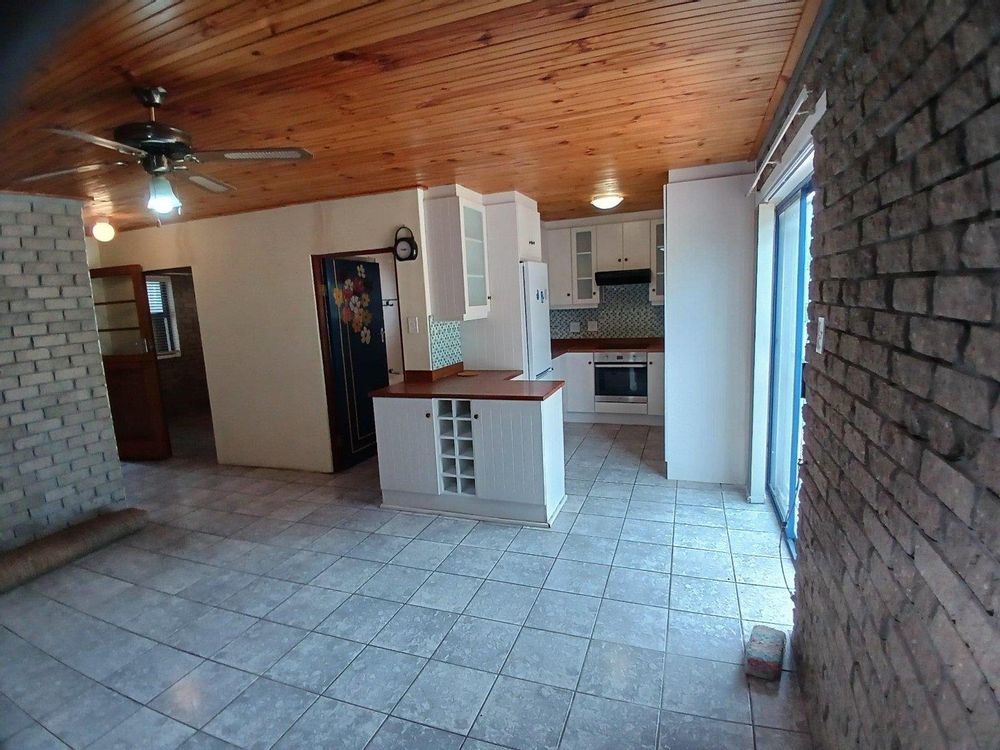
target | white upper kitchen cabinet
x=558, y=256
x=457, y=253
x=635, y=245
x=583, y=253
x=654, y=383
x=609, y=241
x=657, y=262
x=577, y=370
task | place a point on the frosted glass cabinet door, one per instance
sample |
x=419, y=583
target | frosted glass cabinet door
x=474, y=240
x=658, y=263
x=583, y=265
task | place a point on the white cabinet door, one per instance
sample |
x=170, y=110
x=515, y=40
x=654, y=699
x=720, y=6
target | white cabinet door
x=529, y=233
x=657, y=261
x=578, y=372
x=507, y=442
x=559, y=373
x=558, y=257
x=654, y=383
x=407, y=445
x=608, y=238
x=584, y=262
x=635, y=245
x=477, y=286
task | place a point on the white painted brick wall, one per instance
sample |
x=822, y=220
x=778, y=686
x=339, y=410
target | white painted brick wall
x=58, y=459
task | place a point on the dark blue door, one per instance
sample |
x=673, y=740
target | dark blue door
x=357, y=355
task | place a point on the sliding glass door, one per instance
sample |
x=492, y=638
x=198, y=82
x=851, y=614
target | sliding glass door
x=791, y=264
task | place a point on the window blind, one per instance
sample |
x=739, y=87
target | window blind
x=163, y=316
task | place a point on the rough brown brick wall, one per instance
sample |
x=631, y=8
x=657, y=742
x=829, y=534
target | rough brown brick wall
x=898, y=585
x=182, y=379
x=58, y=459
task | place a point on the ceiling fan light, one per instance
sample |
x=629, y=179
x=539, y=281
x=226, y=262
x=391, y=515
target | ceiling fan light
x=605, y=201
x=102, y=231
x=161, y=196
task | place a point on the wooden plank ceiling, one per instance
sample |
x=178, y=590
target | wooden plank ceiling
x=560, y=99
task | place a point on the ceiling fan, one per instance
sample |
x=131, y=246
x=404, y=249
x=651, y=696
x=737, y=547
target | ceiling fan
x=161, y=150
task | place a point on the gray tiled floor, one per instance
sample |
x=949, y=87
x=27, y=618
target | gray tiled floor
x=274, y=608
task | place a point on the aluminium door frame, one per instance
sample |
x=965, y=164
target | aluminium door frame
x=799, y=195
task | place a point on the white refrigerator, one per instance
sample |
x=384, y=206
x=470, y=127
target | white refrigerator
x=538, y=340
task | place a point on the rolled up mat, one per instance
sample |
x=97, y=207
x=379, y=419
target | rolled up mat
x=48, y=553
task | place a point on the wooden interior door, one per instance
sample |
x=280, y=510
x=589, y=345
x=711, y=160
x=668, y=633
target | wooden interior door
x=126, y=335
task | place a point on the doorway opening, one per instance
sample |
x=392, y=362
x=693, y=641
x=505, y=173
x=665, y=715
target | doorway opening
x=180, y=359
x=357, y=303
x=792, y=239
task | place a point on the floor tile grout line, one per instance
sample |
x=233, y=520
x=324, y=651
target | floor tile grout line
x=382, y=564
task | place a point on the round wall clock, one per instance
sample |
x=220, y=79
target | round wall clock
x=405, y=247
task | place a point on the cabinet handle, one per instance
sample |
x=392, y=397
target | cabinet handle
x=531, y=242
x=568, y=294
x=619, y=260
x=488, y=297
x=626, y=260
x=428, y=415
x=475, y=416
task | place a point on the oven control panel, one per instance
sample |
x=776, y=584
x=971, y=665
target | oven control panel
x=613, y=357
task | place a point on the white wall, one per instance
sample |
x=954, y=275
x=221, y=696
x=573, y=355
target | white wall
x=257, y=311
x=708, y=332
x=93, y=252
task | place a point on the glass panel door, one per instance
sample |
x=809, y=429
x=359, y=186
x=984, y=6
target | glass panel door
x=659, y=268
x=475, y=255
x=791, y=269
x=583, y=264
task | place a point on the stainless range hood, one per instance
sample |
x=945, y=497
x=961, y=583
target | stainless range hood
x=616, y=278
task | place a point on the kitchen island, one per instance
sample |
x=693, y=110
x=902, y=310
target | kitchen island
x=480, y=444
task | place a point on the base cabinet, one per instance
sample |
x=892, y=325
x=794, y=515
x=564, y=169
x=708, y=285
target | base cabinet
x=654, y=383
x=577, y=369
x=405, y=431
x=479, y=458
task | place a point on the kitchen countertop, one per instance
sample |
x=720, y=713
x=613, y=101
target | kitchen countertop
x=562, y=346
x=488, y=384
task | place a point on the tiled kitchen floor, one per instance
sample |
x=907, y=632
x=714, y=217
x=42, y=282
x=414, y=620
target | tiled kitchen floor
x=280, y=608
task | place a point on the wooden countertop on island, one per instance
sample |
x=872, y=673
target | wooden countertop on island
x=486, y=384
x=562, y=346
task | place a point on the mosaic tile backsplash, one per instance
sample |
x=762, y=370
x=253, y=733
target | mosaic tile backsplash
x=624, y=312
x=446, y=343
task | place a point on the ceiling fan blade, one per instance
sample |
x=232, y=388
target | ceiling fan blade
x=98, y=141
x=210, y=184
x=288, y=153
x=75, y=170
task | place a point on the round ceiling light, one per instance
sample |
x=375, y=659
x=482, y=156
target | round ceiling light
x=606, y=200
x=102, y=231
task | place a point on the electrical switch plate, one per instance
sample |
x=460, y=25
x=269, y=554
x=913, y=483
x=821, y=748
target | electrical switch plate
x=413, y=325
x=574, y=327
x=591, y=325
x=820, y=332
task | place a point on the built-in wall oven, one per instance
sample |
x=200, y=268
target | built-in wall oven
x=620, y=381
